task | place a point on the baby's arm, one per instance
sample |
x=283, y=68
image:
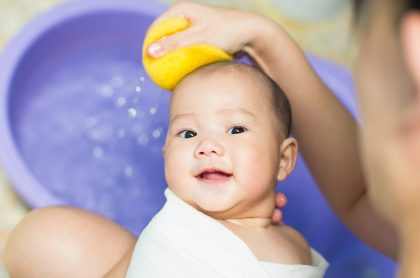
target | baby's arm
x=326, y=131
x=277, y=243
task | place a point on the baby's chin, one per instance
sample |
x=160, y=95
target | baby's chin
x=227, y=211
x=214, y=209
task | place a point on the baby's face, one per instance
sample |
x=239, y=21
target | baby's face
x=222, y=149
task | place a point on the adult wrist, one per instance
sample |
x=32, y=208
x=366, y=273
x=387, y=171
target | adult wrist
x=261, y=31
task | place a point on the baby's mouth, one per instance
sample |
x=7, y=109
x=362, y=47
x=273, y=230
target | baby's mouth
x=213, y=175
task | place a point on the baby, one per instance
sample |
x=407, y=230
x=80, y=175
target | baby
x=227, y=145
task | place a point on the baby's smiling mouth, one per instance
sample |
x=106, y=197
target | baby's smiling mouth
x=213, y=175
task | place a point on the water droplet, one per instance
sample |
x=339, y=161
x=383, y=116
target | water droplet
x=98, y=152
x=132, y=112
x=91, y=121
x=117, y=81
x=157, y=132
x=95, y=134
x=138, y=89
x=121, y=101
x=128, y=171
x=153, y=110
x=143, y=140
x=107, y=91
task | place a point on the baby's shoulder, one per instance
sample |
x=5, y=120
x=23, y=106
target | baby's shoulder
x=276, y=243
x=296, y=248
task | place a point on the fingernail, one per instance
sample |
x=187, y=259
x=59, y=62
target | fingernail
x=155, y=50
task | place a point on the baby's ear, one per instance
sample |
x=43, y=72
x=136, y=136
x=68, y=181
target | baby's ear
x=410, y=41
x=288, y=157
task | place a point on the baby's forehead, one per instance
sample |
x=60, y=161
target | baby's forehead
x=227, y=70
x=237, y=82
x=221, y=74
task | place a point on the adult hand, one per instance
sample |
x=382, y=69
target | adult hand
x=227, y=29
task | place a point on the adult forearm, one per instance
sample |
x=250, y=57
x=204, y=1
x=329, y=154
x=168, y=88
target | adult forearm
x=327, y=136
x=324, y=128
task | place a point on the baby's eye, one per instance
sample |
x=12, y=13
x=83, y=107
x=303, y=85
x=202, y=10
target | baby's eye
x=187, y=134
x=236, y=130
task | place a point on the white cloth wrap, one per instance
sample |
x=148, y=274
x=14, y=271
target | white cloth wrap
x=183, y=242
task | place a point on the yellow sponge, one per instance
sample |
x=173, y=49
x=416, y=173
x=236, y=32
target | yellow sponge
x=167, y=70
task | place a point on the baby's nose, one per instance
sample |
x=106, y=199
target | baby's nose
x=209, y=147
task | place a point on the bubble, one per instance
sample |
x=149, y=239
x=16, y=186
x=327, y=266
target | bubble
x=141, y=78
x=117, y=81
x=143, y=140
x=103, y=132
x=128, y=171
x=138, y=89
x=132, y=112
x=106, y=91
x=157, y=132
x=91, y=121
x=121, y=101
x=153, y=110
x=95, y=135
x=98, y=152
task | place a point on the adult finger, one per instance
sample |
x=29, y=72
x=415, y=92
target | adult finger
x=281, y=200
x=172, y=42
x=277, y=217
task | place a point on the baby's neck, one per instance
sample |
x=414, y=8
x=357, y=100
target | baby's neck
x=249, y=222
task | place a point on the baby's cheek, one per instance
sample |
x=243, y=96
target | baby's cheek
x=257, y=171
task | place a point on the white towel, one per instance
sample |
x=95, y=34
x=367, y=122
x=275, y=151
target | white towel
x=183, y=242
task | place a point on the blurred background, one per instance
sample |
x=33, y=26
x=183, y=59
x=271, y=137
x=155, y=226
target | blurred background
x=322, y=28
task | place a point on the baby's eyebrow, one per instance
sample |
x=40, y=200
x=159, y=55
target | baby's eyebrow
x=180, y=116
x=225, y=111
x=237, y=111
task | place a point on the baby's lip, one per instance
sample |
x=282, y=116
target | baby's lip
x=213, y=175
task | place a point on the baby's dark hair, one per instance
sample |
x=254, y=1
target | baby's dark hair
x=279, y=101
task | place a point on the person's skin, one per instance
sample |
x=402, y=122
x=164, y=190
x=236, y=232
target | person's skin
x=320, y=122
x=388, y=81
x=225, y=150
x=67, y=242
